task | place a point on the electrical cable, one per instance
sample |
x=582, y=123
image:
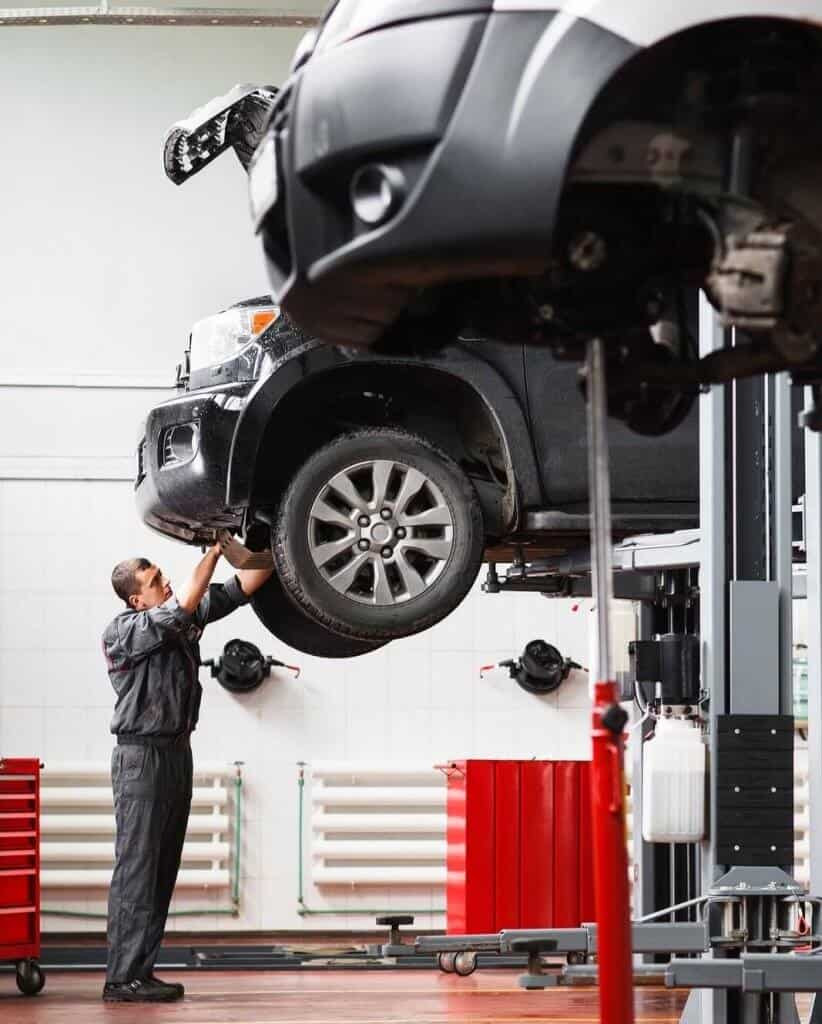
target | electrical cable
x=669, y=910
x=644, y=708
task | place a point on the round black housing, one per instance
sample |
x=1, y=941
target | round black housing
x=541, y=668
x=242, y=667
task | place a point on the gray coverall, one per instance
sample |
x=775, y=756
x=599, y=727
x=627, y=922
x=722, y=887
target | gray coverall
x=153, y=659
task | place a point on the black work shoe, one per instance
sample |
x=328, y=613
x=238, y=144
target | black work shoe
x=138, y=991
x=178, y=988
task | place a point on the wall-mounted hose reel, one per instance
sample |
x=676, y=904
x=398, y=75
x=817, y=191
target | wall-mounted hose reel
x=539, y=669
x=243, y=667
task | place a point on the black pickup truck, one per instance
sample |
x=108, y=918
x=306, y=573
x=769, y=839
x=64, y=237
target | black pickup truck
x=382, y=482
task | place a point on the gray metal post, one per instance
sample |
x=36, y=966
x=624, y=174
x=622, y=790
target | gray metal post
x=599, y=484
x=709, y=1006
x=760, y=571
x=644, y=856
x=813, y=543
x=813, y=552
x=712, y=570
x=782, y=533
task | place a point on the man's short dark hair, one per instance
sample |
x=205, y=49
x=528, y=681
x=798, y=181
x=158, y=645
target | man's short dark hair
x=124, y=577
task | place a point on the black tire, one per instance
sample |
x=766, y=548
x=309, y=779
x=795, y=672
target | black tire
x=284, y=620
x=30, y=977
x=441, y=581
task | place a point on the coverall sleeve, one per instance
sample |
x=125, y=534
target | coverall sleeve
x=144, y=632
x=220, y=600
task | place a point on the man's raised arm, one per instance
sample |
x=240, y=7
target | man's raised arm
x=193, y=590
x=252, y=579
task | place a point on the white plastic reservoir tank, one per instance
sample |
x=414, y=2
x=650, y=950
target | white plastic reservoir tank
x=673, y=783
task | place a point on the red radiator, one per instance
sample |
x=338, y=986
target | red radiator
x=519, y=845
x=20, y=869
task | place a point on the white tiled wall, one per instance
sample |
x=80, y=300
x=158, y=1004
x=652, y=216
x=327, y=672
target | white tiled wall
x=419, y=698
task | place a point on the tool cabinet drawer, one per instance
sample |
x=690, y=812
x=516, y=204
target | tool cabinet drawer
x=19, y=858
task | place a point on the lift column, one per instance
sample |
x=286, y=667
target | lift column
x=813, y=554
x=745, y=627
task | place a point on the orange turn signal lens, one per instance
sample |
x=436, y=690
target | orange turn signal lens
x=261, y=320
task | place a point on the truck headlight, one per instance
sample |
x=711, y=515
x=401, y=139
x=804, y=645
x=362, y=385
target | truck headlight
x=219, y=338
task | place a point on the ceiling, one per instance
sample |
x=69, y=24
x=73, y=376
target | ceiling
x=164, y=12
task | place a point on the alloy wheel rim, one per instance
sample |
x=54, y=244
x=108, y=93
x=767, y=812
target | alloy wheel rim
x=380, y=532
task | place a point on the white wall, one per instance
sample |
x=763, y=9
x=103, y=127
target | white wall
x=104, y=265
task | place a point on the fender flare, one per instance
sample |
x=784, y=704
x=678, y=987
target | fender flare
x=314, y=358
x=645, y=25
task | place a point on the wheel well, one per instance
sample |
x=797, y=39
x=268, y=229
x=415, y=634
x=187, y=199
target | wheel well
x=646, y=184
x=438, y=406
x=703, y=72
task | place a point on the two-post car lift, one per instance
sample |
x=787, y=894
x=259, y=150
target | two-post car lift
x=752, y=940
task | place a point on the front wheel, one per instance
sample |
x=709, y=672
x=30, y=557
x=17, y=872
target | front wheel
x=380, y=535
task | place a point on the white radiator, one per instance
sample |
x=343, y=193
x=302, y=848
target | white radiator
x=377, y=824
x=383, y=824
x=801, y=822
x=77, y=827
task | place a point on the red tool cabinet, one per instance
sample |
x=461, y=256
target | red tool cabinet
x=519, y=845
x=20, y=870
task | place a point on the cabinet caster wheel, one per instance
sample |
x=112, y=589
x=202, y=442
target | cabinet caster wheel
x=465, y=964
x=30, y=977
x=445, y=962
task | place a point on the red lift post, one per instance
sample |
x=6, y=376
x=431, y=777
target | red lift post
x=611, y=893
x=20, y=870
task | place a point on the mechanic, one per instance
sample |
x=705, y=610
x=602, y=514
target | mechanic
x=153, y=657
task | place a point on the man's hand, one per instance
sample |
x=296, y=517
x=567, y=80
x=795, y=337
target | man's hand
x=193, y=590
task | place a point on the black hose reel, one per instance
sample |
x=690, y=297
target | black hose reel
x=243, y=667
x=540, y=668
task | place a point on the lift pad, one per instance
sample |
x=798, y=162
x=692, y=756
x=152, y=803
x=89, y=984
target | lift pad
x=239, y=556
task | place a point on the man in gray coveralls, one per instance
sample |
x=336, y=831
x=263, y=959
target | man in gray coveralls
x=153, y=657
